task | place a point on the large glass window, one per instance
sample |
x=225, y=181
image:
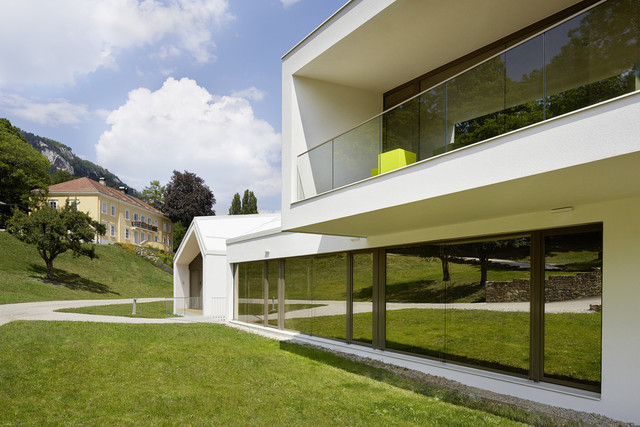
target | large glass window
x=315, y=295
x=572, y=307
x=362, y=323
x=250, y=292
x=272, y=293
x=488, y=304
x=528, y=305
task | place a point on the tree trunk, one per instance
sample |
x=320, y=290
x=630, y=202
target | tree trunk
x=49, y=269
x=445, y=268
x=484, y=264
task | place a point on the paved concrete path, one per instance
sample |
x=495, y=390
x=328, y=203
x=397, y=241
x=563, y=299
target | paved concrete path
x=45, y=310
x=335, y=308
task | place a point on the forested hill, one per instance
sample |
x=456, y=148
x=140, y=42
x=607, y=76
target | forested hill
x=62, y=158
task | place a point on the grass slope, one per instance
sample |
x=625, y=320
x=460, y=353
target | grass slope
x=115, y=274
x=117, y=374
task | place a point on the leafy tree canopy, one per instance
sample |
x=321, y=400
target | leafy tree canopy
x=154, y=195
x=61, y=175
x=236, y=205
x=54, y=232
x=248, y=205
x=186, y=196
x=22, y=168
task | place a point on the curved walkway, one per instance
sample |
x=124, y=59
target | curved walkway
x=46, y=310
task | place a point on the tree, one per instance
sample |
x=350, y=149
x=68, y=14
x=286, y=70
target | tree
x=22, y=168
x=236, y=205
x=154, y=195
x=179, y=230
x=249, y=204
x=61, y=175
x=54, y=232
x=186, y=196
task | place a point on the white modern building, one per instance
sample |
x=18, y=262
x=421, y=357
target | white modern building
x=460, y=195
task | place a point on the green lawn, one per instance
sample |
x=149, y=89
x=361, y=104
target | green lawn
x=115, y=274
x=64, y=373
x=147, y=310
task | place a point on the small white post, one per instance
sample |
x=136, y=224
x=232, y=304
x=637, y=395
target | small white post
x=134, y=306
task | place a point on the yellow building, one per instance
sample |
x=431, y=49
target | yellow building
x=126, y=218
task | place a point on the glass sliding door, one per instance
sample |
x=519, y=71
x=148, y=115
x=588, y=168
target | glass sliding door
x=362, y=320
x=415, y=300
x=297, y=293
x=316, y=295
x=272, y=293
x=251, y=292
x=572, y=308
x=488, y=304
x=329, y=292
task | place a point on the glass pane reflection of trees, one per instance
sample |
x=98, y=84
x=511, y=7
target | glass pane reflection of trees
x=467, y=303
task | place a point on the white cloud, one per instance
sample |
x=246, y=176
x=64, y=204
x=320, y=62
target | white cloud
x=53, y=42
x=181, y=126
x=252, y=93
x=55, y=112
x=287, y=3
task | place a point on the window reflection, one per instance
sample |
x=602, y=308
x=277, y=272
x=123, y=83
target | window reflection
x=315, y=295
x=272, y=294
x=362, y=297
x=250, y=292
x=572, y=308
x=461, y=302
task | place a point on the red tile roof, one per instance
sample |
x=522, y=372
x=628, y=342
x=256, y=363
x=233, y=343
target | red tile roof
x=86, y=185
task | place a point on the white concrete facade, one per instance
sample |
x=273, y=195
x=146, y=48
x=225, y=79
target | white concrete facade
x=585, y=161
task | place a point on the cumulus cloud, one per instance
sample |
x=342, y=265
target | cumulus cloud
x=55, y=112
x=181, y=126
x=69, y=38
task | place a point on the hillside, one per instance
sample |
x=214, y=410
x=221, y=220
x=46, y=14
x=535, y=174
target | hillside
x=115, y=274
x=61, y=157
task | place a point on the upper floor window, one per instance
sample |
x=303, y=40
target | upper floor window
x=53, y=204
x=164, y=226
x=142, y=218
x=156, y=223
x=126, y=214
x=169, y=228
x=149, y=221
x=135, y=216
x=113, y=210
x=104, y=207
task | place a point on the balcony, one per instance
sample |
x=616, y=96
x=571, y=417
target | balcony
x=144, y=226
x=579, y=62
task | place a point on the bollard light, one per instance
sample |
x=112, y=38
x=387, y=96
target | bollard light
x=134, y=306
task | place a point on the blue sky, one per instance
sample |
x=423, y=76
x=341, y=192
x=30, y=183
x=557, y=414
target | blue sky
x=146, y=87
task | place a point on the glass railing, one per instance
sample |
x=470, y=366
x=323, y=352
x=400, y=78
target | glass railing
x=585, y=60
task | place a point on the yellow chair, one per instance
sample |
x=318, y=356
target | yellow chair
x=393, y=159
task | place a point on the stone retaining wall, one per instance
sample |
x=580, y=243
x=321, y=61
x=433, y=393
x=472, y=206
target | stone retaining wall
x=557, y=288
